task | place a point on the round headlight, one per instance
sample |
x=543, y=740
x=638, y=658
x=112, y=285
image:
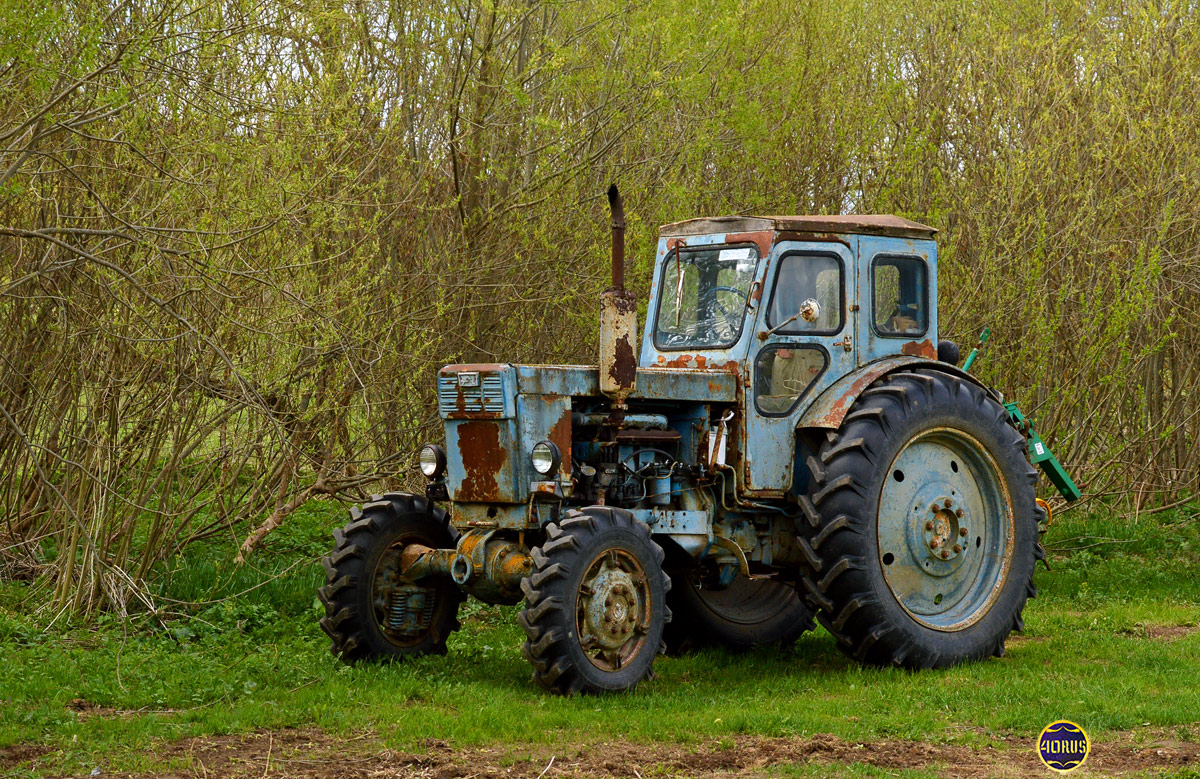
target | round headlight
x=432, y=460
x=546, y=458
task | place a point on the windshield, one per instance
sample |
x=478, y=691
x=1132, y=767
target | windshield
x=702, y=296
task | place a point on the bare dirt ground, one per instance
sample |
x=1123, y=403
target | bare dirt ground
x=314, y=755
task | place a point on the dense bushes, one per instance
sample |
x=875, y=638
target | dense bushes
x=237, y=240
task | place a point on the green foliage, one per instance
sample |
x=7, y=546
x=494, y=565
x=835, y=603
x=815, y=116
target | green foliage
x=239, y=239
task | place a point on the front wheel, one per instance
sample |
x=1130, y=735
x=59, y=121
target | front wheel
x=371, y=612
x=922, y=525
x=595, y=603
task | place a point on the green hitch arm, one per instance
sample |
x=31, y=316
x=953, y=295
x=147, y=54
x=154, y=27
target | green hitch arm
x=1041, y=456
x=987, y=332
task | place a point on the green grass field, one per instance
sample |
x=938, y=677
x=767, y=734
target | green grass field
x=1112, y=643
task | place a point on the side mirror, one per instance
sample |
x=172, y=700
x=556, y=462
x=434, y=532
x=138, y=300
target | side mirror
x=810, y=311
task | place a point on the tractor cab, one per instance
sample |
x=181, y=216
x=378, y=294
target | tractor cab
x=793, y=304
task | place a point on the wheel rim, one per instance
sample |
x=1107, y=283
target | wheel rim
x=945, y=529
x=612, y=615
x=402, y=611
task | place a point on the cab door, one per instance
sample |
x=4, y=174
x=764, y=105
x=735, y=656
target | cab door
x=897, y=287
x=803, y=343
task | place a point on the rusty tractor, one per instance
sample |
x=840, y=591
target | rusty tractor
x=794, y=441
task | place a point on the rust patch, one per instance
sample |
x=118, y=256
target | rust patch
x=482, y=458
x=841, y=406
x=624, y=367
x=813, y=237
x=692, y=362
x=560, y=436
x=920, y=349
x=761, y=239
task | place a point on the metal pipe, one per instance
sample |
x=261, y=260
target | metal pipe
x=617, y=207
x=632, y=421
x=987, y=331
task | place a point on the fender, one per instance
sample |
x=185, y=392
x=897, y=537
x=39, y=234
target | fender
x=832, y=405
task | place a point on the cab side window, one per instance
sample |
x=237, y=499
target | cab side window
x=899, y=296
x=803, y=278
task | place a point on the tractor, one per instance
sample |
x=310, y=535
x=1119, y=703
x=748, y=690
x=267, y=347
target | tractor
x=793, y=442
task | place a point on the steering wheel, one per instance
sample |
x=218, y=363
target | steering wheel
x=728, y=315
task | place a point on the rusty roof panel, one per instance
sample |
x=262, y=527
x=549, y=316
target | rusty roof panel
x=854, y=224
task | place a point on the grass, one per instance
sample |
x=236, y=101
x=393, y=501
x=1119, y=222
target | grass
x=1094, y=651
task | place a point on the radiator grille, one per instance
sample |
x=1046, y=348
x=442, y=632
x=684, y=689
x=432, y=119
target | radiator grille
x=487, y=397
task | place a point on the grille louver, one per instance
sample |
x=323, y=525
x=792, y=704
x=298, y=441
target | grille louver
x=487, y=397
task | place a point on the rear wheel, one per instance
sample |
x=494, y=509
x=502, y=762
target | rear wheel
x=922, y=526
x=595, y=603
x=748, y=613
x=371, y=613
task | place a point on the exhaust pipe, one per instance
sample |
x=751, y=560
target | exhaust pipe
x=617, y=208
x=618, y=316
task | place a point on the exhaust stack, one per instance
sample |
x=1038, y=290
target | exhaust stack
x=618, y=316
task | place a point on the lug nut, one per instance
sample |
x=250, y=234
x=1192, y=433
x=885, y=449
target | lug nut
x=934, y=544
x=948, y=503
x=929, y=525
x=962, y=531
x=957, y=549
x=958, y=513
x=935, y=508
x=945, y=555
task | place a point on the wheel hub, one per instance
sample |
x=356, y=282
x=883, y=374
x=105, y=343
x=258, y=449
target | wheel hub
x=613, y=610
x=937, y=533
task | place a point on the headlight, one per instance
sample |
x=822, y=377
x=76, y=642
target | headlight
x=546, y=458
x=433, y=460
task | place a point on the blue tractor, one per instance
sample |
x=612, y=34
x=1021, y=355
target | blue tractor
x=794, y=441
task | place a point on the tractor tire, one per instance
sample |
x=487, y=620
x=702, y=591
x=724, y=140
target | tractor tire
x=595, y=603
x=369, y=613
x=921, y=526
x=746, y=614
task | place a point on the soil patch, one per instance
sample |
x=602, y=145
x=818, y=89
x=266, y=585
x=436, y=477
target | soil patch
x=1169, y=632
x=1159, y=632
x=85, y=709
x=311, y=754
x=17, y=754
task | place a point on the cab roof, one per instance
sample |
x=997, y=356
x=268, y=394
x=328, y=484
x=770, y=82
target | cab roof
x=846, y=224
